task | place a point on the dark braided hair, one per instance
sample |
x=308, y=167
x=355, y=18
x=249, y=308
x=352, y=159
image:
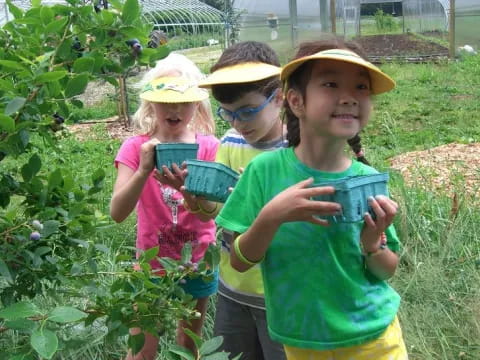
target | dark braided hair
x=299, y=79
x=355, y=144
x=240, y=53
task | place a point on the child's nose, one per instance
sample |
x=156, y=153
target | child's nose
x=174, y=107
x=347, y=98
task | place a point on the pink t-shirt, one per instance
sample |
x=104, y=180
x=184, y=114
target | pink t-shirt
x=162, y=219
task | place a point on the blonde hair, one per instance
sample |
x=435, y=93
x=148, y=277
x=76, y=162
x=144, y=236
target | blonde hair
x=144, y=120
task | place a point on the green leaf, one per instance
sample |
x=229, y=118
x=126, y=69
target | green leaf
x=7, y=85
x=168, y=264
x=29, y=21
x=14, y=105
x=56, y=26
x=45, y=342
x=50, y=227
x=55, y=179
x=216, y=356
x=7, y=123
x=76, y=269
x=103, y=248
x=130, y=11
x=76, y=85
x=184, y=353
x=83, y=64
x=16, y=12
x=66, y=314
x=42, y=250
x=14, y=65
x=34, y=165
x=197, y=340
x=149, y=254
x=136, y=342
x=211, y=345
x=107, y=17
x=186, y=252
x=21, y=324
x=19, y=310
x=51, y=76
x=46, y=14
x=5, y=272
x=77, y=103
x=98, y=177
x=122, y=257
x=30, y=169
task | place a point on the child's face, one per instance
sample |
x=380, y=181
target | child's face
x=174, y=117
x=261, y=127
x=337, y=102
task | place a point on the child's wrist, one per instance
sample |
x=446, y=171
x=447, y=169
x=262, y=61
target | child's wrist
x=143, y=172
x=191, y=208
x=207, y=207
x=372, y=247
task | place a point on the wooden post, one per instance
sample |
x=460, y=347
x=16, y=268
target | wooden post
x=451, y=30
x=324, y=15
x=294, y=20
x=122, y=104
x=333, y=16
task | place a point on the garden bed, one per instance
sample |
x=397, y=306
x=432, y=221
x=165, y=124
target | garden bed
x=406, y=47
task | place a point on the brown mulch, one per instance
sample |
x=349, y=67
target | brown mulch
x=454, y=168
x=114, y=127
x=399, y=45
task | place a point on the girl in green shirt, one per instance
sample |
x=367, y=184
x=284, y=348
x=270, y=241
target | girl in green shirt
x=325, y=289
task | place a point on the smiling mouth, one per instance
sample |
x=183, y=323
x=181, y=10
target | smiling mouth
x=345, y=116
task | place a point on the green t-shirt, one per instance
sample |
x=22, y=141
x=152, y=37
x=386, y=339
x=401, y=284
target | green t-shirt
x=247, y=287
x=318, y=293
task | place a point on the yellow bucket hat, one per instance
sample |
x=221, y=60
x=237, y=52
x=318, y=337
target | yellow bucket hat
x=173, y=90
x=380, y=81
x=240, y=73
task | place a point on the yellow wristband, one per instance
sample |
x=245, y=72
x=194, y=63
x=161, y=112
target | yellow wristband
x=240, y=256
x=185, y=205
x=205, y=212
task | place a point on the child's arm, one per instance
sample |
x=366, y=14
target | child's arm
x=129, y=183
x=292, y=204
x=380, y=260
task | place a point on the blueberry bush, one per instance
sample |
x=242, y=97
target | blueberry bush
x=49, y=216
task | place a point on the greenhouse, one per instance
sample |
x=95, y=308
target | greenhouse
x=384, y=23
x=189, y=23
x=467, y=23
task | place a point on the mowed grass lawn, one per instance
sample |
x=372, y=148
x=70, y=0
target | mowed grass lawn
x=439, y=276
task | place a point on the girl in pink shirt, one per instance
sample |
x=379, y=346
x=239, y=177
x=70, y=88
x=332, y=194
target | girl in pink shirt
x=173, y=110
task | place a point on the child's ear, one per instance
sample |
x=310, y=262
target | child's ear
x=295, y=101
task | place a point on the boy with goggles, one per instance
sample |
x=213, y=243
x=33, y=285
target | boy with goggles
x=246, y=83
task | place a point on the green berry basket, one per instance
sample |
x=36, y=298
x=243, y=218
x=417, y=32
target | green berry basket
x=169, y=153
x=352, y=194
x=210, y=180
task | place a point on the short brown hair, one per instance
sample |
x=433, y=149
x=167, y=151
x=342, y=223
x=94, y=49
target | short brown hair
x=243, y=52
